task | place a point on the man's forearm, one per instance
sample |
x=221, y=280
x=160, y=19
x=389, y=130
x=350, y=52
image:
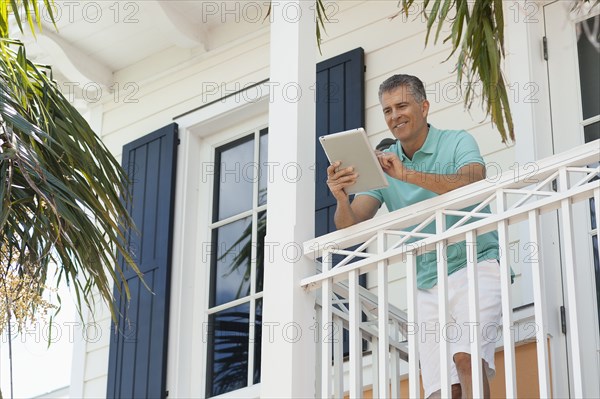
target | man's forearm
x=439, y=184
x=344, y=215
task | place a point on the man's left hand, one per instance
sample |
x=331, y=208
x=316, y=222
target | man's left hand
x=391, y=165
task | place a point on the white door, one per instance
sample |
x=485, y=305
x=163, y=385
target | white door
x=573, y=62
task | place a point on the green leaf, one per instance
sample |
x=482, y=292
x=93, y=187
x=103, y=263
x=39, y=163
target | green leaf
x=431, y=17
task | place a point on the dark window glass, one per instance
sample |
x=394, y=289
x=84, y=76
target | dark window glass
x=591, y=132
x=257, y=340
x=263, y=169
x=593, y=212
x=235, y=248
x=260, y=250
x=231, y=261
x=228, y=335
x=589, y=65
x=597, y=269
x=236, y=166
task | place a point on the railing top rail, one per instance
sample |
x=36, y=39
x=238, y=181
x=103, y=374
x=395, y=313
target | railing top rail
x=468, y=195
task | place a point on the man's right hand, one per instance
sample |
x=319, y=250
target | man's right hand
x=339, y=179
x=363, y=207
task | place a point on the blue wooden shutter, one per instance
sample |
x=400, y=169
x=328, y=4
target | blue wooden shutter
x=340, y=106
x=138, y=344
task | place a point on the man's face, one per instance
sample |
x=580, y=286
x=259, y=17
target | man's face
x=405, y=117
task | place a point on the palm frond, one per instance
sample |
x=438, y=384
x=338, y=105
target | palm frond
x=62, y=191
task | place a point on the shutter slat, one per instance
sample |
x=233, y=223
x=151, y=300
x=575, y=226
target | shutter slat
x=340, y=106
x=138, y=346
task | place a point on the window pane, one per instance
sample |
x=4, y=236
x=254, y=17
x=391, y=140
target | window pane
x=235, y=163
x=257, y=340
x=591, y=132
x=230, y=271
x=597, y=269
x=263, y=168
x=228, y=335
x=589, y=65
x=260, y=250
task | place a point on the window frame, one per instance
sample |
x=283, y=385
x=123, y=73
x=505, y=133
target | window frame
x=200, y=132
x=254, y=212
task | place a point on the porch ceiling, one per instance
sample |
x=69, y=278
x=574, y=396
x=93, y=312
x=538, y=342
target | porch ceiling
x=96, y=39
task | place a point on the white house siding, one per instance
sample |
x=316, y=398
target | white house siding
x=170, y=84
x=177, y=91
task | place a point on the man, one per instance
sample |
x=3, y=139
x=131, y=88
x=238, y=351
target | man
x=423, y=163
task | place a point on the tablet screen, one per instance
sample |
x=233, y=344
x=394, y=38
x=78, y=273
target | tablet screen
x=352, y=148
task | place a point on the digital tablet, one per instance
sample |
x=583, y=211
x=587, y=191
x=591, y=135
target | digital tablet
x=352, y=148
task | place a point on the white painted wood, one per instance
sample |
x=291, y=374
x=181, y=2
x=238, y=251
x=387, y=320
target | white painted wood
x=507, y=323
x=382, y=325
x=375, y=366
x=471, y=246
x=443, y=316
x=571, y=285
x=78, y=360
x=576, y=191
x=328, y=329
x=187, y=348
x=414, y=384
x=539, y=295
x=291, y=139
x=395, y=362
x=458, y=198
x=182, y=31
x=356, y=384
x=338, y=360
x=76, y=65
x=171, y=79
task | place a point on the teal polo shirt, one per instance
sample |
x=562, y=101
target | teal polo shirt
x=444, y=152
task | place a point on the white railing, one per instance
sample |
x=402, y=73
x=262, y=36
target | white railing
x=521, y=195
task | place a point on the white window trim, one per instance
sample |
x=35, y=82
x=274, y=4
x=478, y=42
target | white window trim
x=200, y=132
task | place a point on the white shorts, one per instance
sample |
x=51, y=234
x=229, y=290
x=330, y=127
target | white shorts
x=459, y=332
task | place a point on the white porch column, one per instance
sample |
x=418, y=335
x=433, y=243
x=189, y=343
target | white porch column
x=288, y=348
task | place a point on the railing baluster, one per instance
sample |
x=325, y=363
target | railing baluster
x=414, y=388
x=539, y=302
x=395, y=362
x=442, y=274
x=375, y=366
x=471, y=245
x=327, y=328
x=318, y=348
x=386, y=357
x=356, y=390
x=507, y=323
x=338, y=358
x=569, y=252
x=383, y=326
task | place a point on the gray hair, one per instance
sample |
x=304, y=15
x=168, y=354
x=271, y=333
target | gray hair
x=413, y=84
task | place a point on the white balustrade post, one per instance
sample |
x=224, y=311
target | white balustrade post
x=442, y=284
x=507, y=316
x=568, y=248
x=414, y=383
x=471, y=246
x=288, y=348
x=383, y=348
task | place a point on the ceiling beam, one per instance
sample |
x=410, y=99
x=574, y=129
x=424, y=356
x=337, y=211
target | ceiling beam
x=179, y=30
x=73, y=63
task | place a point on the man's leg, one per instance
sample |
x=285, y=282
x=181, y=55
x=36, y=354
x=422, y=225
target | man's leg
x=456, y=393
x=462, y=361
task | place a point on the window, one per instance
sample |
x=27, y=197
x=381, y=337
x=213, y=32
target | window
x=237, y=233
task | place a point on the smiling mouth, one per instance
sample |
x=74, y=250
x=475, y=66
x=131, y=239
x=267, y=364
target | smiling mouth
x=400, y=125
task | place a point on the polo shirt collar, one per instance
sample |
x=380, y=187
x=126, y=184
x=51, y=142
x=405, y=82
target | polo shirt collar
x=428, y=146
